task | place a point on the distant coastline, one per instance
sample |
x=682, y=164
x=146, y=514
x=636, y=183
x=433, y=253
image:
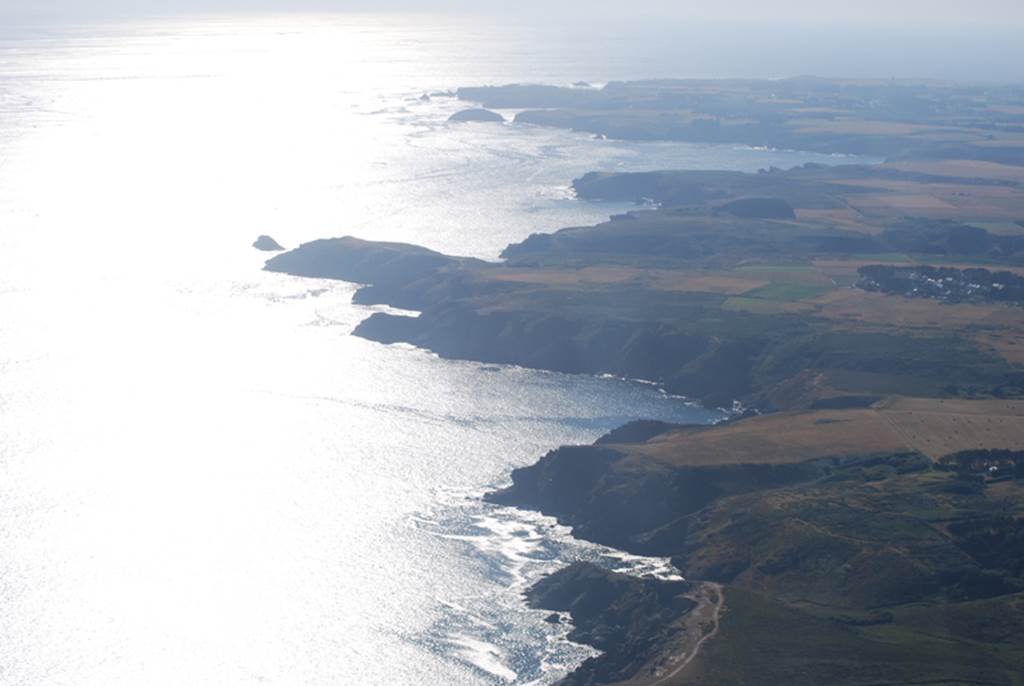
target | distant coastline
x=846, y=511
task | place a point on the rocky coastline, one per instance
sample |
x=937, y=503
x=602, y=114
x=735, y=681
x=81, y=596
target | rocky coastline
x=862, y=523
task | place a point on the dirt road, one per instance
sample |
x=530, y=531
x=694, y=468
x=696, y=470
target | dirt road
x=710, y=599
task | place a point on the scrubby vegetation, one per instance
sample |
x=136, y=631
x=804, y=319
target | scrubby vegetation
x=948, y=284
x=845, y=557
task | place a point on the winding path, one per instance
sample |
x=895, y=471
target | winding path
x=703, y=599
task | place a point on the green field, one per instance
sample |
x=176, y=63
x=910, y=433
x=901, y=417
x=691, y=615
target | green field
x=1001, y=228
x=758, y=305
x=787, y=291
x=886, y=257
x=777, y=268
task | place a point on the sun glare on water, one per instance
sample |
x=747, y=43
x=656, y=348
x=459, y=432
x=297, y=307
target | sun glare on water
x=203, y=477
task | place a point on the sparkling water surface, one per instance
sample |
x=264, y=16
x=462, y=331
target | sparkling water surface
x=204, y=479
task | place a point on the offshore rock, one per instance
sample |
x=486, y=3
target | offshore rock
x=268, y=244
x=479, y=115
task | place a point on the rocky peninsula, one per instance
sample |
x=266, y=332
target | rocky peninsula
x=843, y=551
x=711, y=305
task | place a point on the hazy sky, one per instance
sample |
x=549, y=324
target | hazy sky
x=964, y=40
x=889, y=13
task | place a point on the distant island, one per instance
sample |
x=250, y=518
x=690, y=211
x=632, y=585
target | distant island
x=477, y=116
x=859, y=518
x=267, y=244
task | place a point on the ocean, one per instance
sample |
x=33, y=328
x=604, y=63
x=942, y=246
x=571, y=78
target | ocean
x=204, y=478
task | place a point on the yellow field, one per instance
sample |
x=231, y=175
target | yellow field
x=940, y=427
x=967, y=169
x=846, y=218
x=696, y=281
x=992, y=406
x=998, y=329
x=918, y=204
x=803, y=274
x=567, y=277
x=853, y=306
x=931, y=426
x=851, y=125
x=1007, y=344
x=936, y=200
x=777, y=438
x=712, y=283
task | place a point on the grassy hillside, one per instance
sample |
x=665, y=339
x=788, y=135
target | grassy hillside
x=844, y=561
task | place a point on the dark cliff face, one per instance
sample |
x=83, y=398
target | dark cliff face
x=564, y=484
x=630, y=619
x=851, y=531
x=676, y=296
x=823, y=562
x=609, y=498
x=453, y=295
x=716, y=373
x=766, y=371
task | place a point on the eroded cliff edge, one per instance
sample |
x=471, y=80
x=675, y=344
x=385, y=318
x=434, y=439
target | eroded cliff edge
x=707, y=297
x=637, y=623
x=846, y=555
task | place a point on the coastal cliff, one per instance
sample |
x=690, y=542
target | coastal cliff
x=690, y=365
x=816, y=539
x=633, y=621
x=736, y=288
x=674, y=297
x=608, y=497
x=866, y=527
